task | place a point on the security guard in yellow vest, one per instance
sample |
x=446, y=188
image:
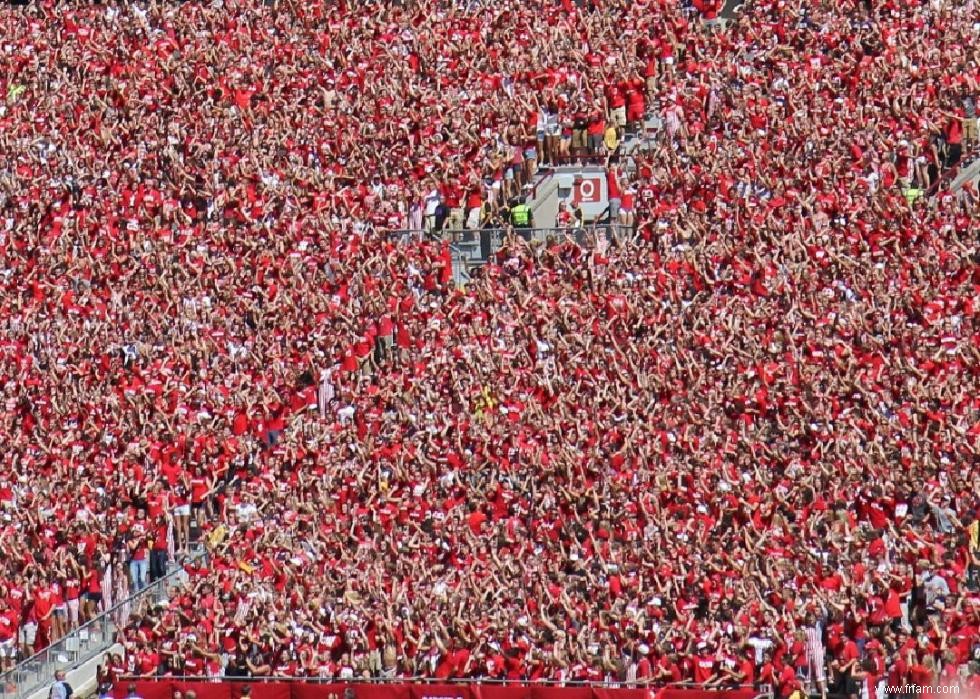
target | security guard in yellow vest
x=520, y=216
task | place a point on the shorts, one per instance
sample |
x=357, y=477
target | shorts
x=530, y=153
x=596, y=142
x=61, y=611
x=198, y=506
x=552, y=130
x=619, y=116
x=509, y=172
x=374, y=661
x=970, y=129
x=182, y=510
x=540, y=134
x=8, y=649
x=28, y=634
x=94, y=597
x=455, y=219
x=614, y=204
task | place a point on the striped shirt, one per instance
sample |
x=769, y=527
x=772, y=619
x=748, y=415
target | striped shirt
x=815, y=652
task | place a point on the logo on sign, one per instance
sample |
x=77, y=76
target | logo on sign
x=587, y=190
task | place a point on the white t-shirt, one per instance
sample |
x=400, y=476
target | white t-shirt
x=431, y=202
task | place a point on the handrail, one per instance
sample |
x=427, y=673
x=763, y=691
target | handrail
x=472, y=248
x=549, y=184
x=545, y=176
x=39, y=668
x=534, y=232
x=421, y=679
x=966, y=170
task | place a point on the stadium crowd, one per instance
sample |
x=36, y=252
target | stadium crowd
x=735, y=445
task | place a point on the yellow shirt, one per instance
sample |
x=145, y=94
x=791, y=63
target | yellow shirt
x=485, y=403
x=611, y=138
x=15, y=91
x=217, y=537
x=912, y=194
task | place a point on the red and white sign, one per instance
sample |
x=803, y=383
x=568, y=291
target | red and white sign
x=587, y=190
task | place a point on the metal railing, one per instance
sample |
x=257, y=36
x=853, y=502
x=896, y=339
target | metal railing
x=582, y=235
x=457, y=235
x=499, y=681
x=473, y=248
x=92, y=638
x=468, y=238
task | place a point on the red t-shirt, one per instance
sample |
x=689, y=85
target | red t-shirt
x=155, y=505
x=42, y=603
x=612, y=180
x=849, y=652
x=747, y=669
x=139, y=537
x=954, y=131
x=199, y=488
x=704, y=668
x=160, y=537
x=8, y=625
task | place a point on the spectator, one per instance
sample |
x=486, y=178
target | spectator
x=521, y=215
x=60, y=689
x=8, y=636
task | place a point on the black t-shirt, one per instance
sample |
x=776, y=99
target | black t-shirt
x=237, y=667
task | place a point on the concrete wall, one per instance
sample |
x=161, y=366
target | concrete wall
x=970, y=173
x=82, y=678
x=568, y=183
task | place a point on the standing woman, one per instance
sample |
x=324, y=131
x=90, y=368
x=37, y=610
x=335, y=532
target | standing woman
x=552, y=133
x=533, y=142
x=566, y=127
x=115, y=589
x=73, y=588
x=537, y=109
x=92, y=584
x=414, y=209
x=201, y=484
x=59, y=619
x=514, y=139
x=182, y=512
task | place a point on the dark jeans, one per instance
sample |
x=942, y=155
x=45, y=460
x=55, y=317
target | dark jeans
x=272, y=437
x=954, y=152
x=158, y=564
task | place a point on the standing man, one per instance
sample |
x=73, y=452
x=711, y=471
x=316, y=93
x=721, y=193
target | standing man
x=138, y=567
x=521, y=216
x=8, y=636
x=161, y=548
x=615, y=189
x=816, y=656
